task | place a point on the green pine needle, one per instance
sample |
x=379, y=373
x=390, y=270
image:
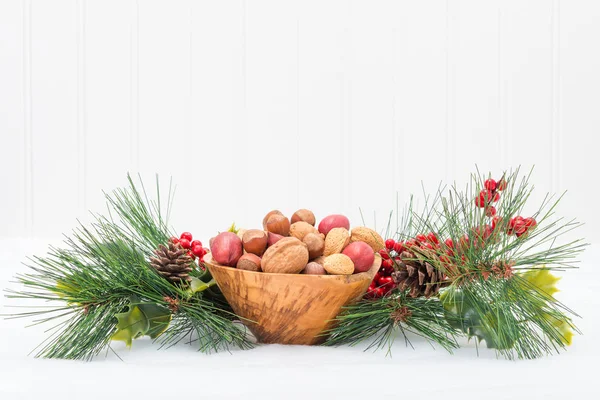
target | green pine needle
x=104, y=265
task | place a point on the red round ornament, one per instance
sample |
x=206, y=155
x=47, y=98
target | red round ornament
x=196, y=243
x=389, y=244
x=185, y=243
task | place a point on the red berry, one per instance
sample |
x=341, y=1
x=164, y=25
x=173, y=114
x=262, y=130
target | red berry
x=195, y=243
x=519, y=225
x=490, y=211
x=490, y=185
x=387, y=271
x=427, y=245
x=185, y=243
x=488, y=231
x=496, y=197
x=484, y=197
x=398, y=247
x=421, y=238
x=389, y=244
x=379, y=292
x=174, y=240
x=186, y=235
x=385, y=281
x=191, y=255
x=198, y=250
x=410, y=243
x=496, y=221
x=450, y=243
x=464, y=242
x=501, y=184
x=387, y=263
x=530, y=222
x=433, y=238
x=384, y=254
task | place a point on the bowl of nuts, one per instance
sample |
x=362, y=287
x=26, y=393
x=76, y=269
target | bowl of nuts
x=289, y=280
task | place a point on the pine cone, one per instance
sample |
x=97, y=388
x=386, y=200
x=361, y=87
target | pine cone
x=172, y=263
x=418, y=275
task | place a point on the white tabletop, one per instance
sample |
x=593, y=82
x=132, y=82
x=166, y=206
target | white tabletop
x=290, y=372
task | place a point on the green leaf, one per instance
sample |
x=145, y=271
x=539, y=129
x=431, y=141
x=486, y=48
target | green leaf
x=142, y=319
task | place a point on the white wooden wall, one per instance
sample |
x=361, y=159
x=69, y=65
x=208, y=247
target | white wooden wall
x=254, y=105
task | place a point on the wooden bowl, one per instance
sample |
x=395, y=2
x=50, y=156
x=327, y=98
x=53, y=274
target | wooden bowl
x=289, y=308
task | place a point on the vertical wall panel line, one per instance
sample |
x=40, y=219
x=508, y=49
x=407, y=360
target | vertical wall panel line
x=556, y=144
x=449, y=173
x=501, y=136
x=504, y=138
x=81, y=108
x=298, y=205
x=28, y=120
x=134, y=87
x=244, y=116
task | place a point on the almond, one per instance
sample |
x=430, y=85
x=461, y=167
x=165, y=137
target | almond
x=369, y=236
x=336, y=240
x=338, y=264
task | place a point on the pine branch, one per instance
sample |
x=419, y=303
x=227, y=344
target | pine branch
x=103, y=267
x=490, y=294
x=380, y=318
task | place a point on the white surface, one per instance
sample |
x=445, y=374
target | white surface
x=252, y=105
x=291, y=372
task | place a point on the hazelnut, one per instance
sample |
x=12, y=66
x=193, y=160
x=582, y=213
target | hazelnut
x=278, y=224
x=300, y=229
x=315, y=244
x=255, y=241
x=264, y=222
x=249, y=262
x=305, y=216
x=313, y=268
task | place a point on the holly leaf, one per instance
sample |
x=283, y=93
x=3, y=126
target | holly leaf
x=542, y=279
x=142, y=319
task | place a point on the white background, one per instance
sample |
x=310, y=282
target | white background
x=328, y=105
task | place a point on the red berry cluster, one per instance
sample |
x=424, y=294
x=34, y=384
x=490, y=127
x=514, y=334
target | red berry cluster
x=520, y=226
x=383, y=282
x=194, y=247
x=517, y=226
x=491, y=194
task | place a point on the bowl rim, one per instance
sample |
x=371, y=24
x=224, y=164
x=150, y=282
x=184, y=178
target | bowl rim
x=370, y=273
